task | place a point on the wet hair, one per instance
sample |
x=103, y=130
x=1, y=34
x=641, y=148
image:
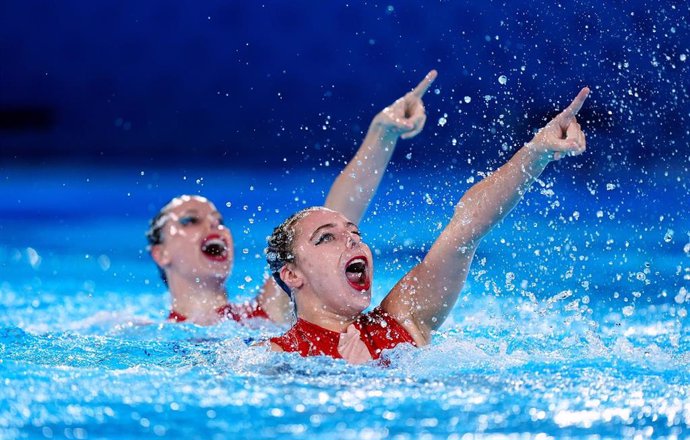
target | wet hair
x=280, y=245
x=154, y=234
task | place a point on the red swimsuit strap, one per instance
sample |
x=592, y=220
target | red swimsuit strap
x=242, y=312
x=235, y=312
x=176, y=317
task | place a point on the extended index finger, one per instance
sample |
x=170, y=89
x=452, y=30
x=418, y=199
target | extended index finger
x=577, y=103
x=424, y=84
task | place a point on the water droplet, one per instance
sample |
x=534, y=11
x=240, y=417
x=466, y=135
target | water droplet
x=467, y=99
x=668, y=237
x=34, y=257
x=104, y=262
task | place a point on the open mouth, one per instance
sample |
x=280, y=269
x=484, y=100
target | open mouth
x=214, y=247
x=357, y=273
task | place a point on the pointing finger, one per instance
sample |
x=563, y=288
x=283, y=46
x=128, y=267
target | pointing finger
x=577, y=103
x=424, y=85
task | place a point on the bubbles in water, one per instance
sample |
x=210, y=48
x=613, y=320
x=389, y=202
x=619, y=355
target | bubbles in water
x=628, y=310
x=443, y=120
x=503, y=80
x=467, y=99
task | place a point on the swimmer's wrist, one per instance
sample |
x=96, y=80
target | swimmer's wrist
x=383, y=132
x=537, y=154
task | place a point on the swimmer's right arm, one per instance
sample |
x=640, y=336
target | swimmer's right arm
x=357, y=183
x=276, y=303
x=422, y=300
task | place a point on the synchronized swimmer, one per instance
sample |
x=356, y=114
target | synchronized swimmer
x=317, y=255
x=319, y=258
x=193, y=249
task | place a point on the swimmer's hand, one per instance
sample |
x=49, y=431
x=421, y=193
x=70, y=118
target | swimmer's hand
x=562, y=136
x=405, y=118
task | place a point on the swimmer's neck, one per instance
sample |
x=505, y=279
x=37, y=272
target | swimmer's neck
x=197, y=300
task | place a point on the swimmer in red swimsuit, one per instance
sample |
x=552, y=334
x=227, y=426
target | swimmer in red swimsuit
x=319, y=258
x=194, y=250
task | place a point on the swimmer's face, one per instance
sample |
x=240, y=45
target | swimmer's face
x=332, y=261
x=195, y=243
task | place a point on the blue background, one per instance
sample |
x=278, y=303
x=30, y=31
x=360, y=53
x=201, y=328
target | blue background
x=254, y=84
x=573, y=322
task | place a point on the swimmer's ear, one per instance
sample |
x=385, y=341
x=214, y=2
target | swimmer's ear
x=160, y=255
x=291, y=276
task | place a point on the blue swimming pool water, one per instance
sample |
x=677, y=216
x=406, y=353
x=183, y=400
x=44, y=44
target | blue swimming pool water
x=573, y=323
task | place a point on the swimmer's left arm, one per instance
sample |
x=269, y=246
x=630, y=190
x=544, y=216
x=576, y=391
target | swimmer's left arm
x=422, y=300
x=357, y=183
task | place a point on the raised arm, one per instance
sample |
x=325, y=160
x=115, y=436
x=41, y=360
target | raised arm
x=423, y=298
x=357, y=183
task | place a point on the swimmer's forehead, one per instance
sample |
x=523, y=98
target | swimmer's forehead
x=321, y=218
x=189, y=203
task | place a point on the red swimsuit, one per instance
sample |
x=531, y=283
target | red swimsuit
x=378, y=330
x=235, y=312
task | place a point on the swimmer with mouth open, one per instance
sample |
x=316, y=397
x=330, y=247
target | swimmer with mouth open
x=194, y=249
x=319, y=258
